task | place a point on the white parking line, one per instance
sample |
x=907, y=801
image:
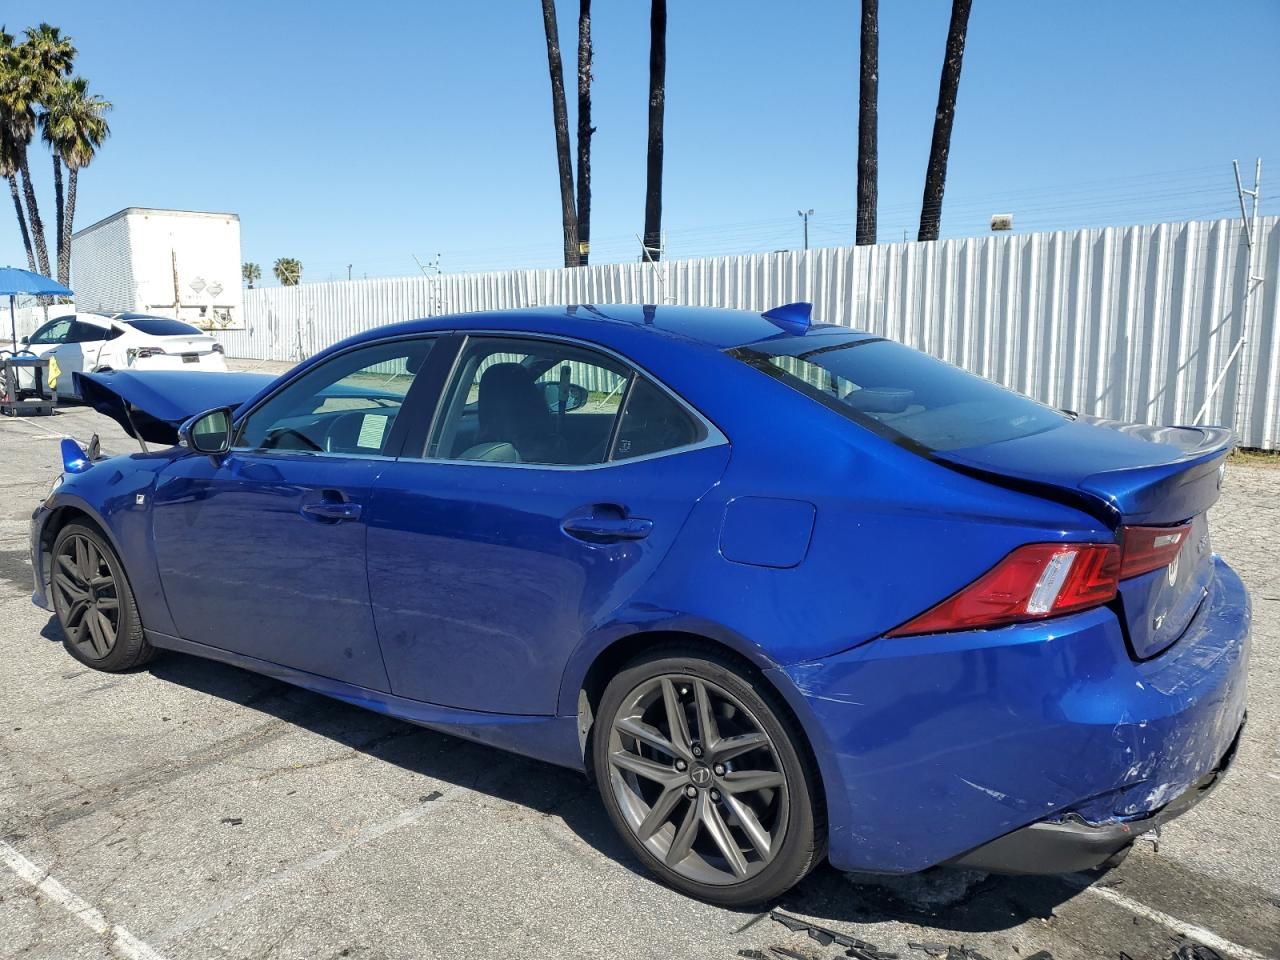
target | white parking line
x=1199, y=934
x=124, y=942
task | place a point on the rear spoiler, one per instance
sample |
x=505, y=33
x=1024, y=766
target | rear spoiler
x=150, y=406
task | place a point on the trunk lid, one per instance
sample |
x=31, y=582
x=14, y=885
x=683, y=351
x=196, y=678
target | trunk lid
x=1128, y=475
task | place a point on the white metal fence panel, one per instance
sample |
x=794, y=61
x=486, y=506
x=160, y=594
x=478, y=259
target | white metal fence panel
x=1131, y=323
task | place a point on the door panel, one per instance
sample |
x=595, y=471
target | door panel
x=264, y=555
x=479, y=591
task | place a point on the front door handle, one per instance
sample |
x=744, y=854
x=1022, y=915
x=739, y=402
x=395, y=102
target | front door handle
x=334, y=511
x=607, y=529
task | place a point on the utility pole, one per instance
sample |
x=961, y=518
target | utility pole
x=348, y=271
x=1249, y=220
x=806, y=214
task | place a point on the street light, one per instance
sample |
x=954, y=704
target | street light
x=806, y=214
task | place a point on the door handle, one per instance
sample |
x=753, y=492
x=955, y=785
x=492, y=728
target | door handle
x=332, y=510
x=607, y=529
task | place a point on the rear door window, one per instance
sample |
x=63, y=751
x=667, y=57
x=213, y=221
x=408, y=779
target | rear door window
x=900, y=393
x=164, y=327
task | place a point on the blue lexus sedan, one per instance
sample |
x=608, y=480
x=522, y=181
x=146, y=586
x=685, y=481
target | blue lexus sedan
x=785, y=590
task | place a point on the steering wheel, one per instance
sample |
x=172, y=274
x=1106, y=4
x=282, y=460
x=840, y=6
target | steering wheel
x=310, y=444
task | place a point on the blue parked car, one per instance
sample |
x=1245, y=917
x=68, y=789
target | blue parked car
x=786, y=590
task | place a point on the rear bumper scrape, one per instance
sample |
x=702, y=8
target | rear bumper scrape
x=1071, y=844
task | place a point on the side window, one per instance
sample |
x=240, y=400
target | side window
x=55, y=331
x=530, y=401
x=652, y=421
x=347, y=405
x=86, y=333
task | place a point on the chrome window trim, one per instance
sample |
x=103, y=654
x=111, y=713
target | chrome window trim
x=714, y=436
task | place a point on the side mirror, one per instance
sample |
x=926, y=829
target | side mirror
x=208, y=432
x=25, y=341
x=575, y=396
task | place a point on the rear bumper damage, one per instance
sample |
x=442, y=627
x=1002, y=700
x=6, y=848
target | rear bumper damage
x=1072, y=843
x=1038, y=748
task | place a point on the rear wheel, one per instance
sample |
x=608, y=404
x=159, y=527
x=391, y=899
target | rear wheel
x=706, y=778
x=93, y=602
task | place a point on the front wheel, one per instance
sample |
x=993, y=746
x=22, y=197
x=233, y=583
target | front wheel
x=93, y=602
x=705, y=776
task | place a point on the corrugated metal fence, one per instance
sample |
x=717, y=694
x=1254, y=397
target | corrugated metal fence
x=1130, y=323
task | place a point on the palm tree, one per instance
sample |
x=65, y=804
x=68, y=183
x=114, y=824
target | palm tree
x=74, y=125
x=935, y=178
x=37, y=64
x=288, y=271
x=585, y=130
x=657, y=106
x=250, y=272
x=868, y=91
x=9, y=147
x=560, y=115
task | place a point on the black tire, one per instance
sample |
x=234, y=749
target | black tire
x=128, y=647
x=804, y=835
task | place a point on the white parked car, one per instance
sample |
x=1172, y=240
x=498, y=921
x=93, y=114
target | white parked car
x=89, y=342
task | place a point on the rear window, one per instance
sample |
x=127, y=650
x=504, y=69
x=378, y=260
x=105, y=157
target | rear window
x=164, y=327
x=900, y=393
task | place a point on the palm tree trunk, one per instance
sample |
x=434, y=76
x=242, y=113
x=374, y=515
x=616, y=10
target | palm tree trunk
x=585, y=130
x=657, y=108
x=22, y=221
x=60, y=213
x=33, y=213
x=868, y=93
x=64, y=257
x=935, y=179
x=560, y=113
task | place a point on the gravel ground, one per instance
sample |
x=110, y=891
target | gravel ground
x=191, y=810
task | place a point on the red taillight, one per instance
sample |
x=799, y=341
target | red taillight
x=1150, y=548
x=1035, y=581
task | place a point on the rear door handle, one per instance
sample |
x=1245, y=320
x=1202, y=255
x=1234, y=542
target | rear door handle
x=332, y=510
x=607, y=529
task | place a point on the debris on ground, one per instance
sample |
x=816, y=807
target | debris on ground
x=858, y=949
x=232, y=821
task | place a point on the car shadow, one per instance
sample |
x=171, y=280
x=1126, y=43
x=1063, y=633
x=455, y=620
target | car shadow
x=961, y=901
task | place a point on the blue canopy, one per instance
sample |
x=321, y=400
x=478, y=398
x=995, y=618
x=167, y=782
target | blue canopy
x=14, y=281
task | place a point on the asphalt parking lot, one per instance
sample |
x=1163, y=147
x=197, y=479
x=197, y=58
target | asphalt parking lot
x=192, y=810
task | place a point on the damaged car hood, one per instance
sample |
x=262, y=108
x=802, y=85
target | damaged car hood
x=152, y=405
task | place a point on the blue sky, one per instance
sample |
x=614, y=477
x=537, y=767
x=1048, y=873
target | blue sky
x=368, y=133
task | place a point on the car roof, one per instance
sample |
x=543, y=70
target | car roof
x=713, y=327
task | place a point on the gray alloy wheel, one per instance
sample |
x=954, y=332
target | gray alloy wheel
x=94, y=603
x=697, y=779
x=85, y=596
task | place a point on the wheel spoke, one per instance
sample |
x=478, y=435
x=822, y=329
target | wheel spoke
x=708, y=729
x=96, y=640
x=745, y=781
x=105, y=628
x=731, y=747
x=657, y=772
x=719, y=832
x=108, y=603
x=68, y=566
x=648, y=734
x=75, y=613
x=99, y=583
x=71, y=590
x=686, y=833
x=82, y=560
x=659, y=812
x=751, y=826
x=676, y=719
